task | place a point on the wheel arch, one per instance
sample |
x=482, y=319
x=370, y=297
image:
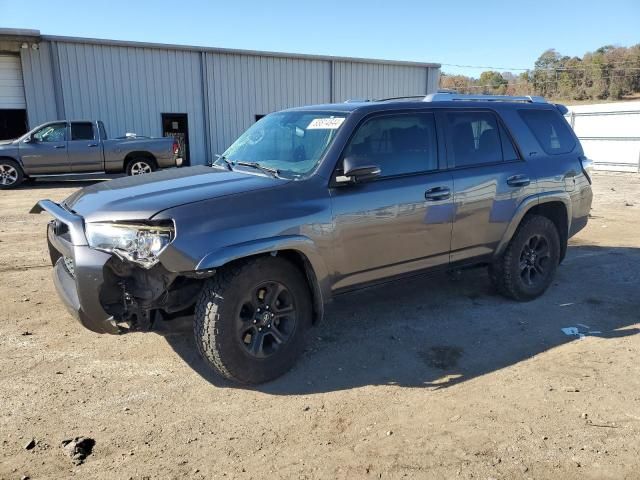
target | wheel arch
x=13, y=159
x=299, y=250
x=556, y=206
x=129, y=157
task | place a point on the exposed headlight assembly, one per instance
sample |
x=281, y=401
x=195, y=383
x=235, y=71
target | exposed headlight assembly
x=136, y=243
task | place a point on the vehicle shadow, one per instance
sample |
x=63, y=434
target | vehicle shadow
x=439, y=331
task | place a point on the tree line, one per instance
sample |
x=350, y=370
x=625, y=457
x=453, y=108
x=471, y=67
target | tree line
x=609, y=73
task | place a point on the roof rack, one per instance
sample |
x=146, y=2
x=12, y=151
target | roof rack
x=404, y=97
x=453, y=96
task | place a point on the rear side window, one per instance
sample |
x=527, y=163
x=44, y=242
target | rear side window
x=477, y=138
x=550, y=129
x=103, y=132
x=399, y=144
x=81, y=131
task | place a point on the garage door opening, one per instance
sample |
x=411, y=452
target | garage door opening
x=13, y=115
x=13, y=123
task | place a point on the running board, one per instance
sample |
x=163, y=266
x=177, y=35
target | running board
x=53, y=175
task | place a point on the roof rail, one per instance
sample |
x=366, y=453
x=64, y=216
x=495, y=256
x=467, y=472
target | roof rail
x=404, y=97
x=441, y=96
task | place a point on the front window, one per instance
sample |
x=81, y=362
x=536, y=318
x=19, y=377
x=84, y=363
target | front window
x=290, y=142
x=51, y=133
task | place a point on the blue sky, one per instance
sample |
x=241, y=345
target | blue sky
x=481, y=32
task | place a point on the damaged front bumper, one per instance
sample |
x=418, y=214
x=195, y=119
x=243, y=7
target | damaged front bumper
x=105, y=294
x=77, y=269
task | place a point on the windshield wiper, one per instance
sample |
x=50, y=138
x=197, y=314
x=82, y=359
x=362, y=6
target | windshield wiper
x=226, y=161
x=273, y=171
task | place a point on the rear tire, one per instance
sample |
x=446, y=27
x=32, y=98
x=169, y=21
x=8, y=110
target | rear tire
x=11, y=174
x=527, y=267
x=251, y=319
x=141, y=166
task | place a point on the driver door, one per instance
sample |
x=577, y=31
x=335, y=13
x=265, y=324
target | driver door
x=46, y=152
x=399, y=222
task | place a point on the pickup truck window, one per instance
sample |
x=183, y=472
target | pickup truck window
x=82, y=131
x=399, y=144
x=55, y=132
x=103, y=132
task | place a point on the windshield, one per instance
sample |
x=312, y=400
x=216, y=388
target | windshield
x=290, y=142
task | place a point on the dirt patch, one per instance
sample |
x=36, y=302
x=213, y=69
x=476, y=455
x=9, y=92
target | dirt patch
x=426, y=378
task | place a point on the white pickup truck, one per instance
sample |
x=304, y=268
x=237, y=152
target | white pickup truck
x=75, y=147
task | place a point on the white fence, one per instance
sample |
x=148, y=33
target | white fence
x=609, y=133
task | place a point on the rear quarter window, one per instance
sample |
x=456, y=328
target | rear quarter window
x=550, y=129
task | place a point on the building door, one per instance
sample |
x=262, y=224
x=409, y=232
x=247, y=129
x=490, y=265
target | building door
x=13, y=114
x=176, y=125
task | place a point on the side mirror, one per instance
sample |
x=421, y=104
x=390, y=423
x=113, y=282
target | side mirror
x=29, y=139
x=359, y=170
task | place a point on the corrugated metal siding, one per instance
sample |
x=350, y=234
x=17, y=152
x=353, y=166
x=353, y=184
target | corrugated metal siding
x=433, y=80
x=128, y=88
x=354, y=80
x=243, y=86
x=38, y=85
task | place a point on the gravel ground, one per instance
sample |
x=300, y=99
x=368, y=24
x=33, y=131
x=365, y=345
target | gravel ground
x=425, y=378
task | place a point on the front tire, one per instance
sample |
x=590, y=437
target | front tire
x=528, y=265
x=251, y=319
x=141, y=166
x=11, y=174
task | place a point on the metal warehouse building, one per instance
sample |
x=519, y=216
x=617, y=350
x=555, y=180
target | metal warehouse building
x=208, y=96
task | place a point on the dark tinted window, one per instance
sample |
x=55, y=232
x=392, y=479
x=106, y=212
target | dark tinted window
x=82, y=131
x=474, y=138
x=550, y=129
x=508, y=150
x=398, y=144
x=103, y=132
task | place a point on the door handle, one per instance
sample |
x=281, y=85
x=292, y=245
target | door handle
x=518, y=181
x=58, y=146
x=437, y=193
x=92, y=145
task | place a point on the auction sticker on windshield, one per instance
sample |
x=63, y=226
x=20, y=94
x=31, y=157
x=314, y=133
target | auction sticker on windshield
x=325, y=123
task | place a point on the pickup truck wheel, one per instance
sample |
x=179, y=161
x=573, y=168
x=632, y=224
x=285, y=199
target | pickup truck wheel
x=11, y=174
x=251, y=319
x=528, y=265
x=140, y=166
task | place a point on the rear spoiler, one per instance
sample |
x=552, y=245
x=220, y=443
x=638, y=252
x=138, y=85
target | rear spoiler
x=561, y=108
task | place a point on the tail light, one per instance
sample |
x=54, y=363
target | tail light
x=587, y=167
x=176, y=147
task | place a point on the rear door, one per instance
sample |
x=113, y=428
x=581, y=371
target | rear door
x=84, y=148
x=490, y=180
x=400, y=221
x=46, y=152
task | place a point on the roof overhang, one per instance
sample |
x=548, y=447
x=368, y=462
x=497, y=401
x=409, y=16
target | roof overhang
x=13, y=39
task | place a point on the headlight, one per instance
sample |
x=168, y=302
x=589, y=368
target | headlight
x=140, y=244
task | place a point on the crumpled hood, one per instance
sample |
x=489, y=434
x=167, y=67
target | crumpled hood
x=141, y=197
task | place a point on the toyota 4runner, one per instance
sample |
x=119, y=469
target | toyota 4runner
x=312, y=202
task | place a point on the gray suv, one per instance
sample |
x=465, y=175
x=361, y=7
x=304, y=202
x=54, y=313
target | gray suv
x=313, y=202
